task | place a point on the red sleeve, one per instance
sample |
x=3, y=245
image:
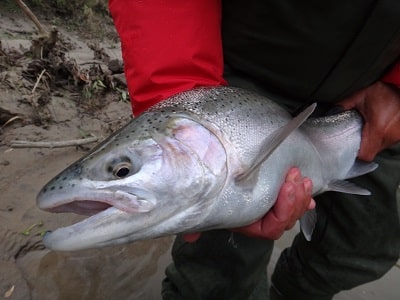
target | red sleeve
x=168, y=46
x=393, y=76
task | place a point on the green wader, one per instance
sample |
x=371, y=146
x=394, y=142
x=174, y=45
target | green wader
x=356, y=240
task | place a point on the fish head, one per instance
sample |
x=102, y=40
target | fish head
x=142, y=182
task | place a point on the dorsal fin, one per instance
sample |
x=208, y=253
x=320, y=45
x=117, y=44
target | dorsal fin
x=272, y=142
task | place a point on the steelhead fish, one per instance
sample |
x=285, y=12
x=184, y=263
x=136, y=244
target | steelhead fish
x=204, y=159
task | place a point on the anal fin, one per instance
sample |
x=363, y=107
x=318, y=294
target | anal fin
x=347, y=187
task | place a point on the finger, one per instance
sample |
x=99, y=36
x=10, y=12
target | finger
x=303, y=201
x=280, y=217
x=353, y=101
x=312, y=204
x=294, y=176
x=191, y=237
x=302, y=194
x=308, y=186
x=284, y=206
x=266, y=228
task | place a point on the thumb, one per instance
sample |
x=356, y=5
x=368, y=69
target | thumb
x=371, y=143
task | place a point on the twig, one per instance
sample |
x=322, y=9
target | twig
x=31, y=16
x=11, y=120
x=91, y=62
x=52, y=144
x=37, y=81
x=9, y=292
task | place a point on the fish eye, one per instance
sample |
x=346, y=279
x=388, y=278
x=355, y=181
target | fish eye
x=122, y=169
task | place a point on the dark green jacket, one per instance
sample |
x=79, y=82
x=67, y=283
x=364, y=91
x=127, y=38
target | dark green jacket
x=316, y=49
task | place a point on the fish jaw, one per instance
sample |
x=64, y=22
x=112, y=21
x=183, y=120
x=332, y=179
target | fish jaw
x=114, y=227
x=90, y=233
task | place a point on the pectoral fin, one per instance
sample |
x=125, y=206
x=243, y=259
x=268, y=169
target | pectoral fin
x=272, y=142
x=307, y=223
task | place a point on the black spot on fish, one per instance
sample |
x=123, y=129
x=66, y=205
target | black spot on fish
x=52, y=188
x=77, y=170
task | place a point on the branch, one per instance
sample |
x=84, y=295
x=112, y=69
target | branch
x=31, y=16
x=52, y=144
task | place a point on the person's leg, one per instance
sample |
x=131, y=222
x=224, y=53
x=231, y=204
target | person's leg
x=220, y=265
x=357, y=239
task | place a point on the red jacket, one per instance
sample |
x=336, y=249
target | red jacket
x=168, y=48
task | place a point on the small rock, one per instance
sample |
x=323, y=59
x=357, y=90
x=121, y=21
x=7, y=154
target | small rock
x=4, y=162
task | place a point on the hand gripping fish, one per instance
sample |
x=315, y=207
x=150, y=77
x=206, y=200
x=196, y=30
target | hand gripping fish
x=204, y=159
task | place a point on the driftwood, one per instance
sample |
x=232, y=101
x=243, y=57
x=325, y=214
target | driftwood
x=53, y=144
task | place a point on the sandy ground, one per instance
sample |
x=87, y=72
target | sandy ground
x=27, y=270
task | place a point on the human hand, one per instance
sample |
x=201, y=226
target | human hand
x=379, y=104
x=293, y=200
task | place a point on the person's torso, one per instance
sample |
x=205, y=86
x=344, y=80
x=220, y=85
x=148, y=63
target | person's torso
x=315, y=49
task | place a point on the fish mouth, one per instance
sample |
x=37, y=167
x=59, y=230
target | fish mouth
x=81, y=207
x=90, y=203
